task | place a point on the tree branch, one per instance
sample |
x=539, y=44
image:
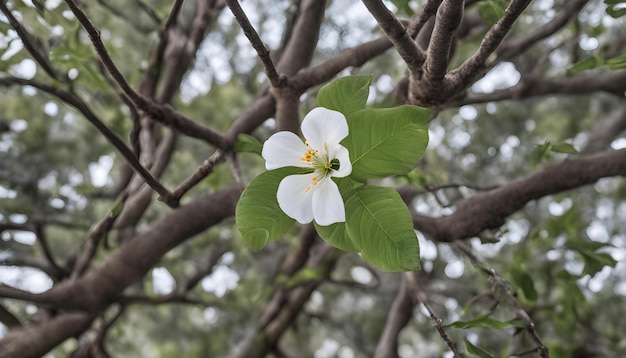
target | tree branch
x=475, y=66
x=447, y=21
x=35, y=341
x=275, y=78
x=399, y=316
x=33, y=49
x=398, y=35
x=112, y=137
x=488, y=210
x=613, y=82
x=163, y=113
x=516, y=46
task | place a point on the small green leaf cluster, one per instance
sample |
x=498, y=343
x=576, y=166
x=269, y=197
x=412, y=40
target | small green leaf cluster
x=542, y=152
x=382, y=142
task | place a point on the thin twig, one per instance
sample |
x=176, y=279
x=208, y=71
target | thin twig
x=500, y=282
x=112, y=137
x=437, y=322
x=160, y=112
x=43, y=242
x=33, y=49
x=96, y=233
x=275, y=78
x=202, y=172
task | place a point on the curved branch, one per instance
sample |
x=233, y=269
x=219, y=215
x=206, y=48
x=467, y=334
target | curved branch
x=488, y=210
x=112, y=137
x=163, y=113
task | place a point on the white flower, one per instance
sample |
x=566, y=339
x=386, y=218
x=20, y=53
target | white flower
x=312, y=196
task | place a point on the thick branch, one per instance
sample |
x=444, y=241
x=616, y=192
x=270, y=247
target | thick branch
x=397, y=34
x=35, y=341
x=448, y=19
x=475, y=66
x=488, y=210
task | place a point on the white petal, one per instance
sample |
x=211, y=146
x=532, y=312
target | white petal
x=323, y=125
x=283, y=149
x=345, y=166
x=294, y=199
x=328, y=205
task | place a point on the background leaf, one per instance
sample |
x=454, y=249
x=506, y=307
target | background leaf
x=476, y=351
x=386, y=141
x=380, y=226
x=346, y=94
x=247, y=144
x=258, y=216
x=524, y=281
x=486, y=321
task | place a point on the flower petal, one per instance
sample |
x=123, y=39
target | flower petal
x=294, y=199
x=284, y=149
x=323, y=125
x=345, y=166
x=328, y=205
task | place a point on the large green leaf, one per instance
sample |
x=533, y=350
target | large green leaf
x=386, y=141
x=337, y=236
x=258, y=216
x=381, y=228
x=346, y=95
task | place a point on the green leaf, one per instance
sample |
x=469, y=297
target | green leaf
x=386, y=141
x=564, y=148
x=491, y=10
x=403, y=6
x=486, y=322
x=524, y=281
x=586, y=64
x=381, y=228
x=258, y=216
x=305, y=275
x=346, y=95
x=336, y=235
x=615, y=11
x=616, y=63
x=476, y=351
x=247, y=144
x=539, y=153
x=594, y=261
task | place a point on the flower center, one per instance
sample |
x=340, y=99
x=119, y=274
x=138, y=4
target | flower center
x=320, y=162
